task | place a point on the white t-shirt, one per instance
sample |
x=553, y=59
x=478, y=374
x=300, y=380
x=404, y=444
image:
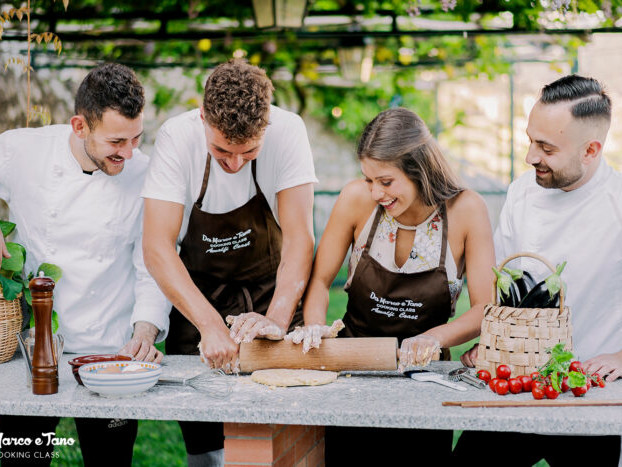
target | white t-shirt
x=88, y=225
x=584, y=228
x=178, y=164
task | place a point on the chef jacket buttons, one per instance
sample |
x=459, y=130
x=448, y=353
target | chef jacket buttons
x=92, y=293
x=58, y=171
x=53, y=250
x=100, y=258
x=53, y=213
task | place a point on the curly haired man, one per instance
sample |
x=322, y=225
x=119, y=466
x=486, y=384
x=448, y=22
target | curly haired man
x=231, y=185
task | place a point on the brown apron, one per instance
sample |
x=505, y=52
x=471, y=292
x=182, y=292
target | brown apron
x=384, y=303
x=233, y=259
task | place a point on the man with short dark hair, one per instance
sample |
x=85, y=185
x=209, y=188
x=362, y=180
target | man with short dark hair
x=571, y=210
x=73, y=192
x=231, y=184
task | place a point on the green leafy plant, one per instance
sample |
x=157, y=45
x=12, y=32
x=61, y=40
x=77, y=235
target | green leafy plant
x=12, y=281
x=558, y=367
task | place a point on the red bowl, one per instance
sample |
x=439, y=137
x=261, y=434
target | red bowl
x=77, y=362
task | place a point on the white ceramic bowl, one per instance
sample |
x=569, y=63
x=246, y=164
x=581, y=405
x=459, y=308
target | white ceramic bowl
x=120, y=378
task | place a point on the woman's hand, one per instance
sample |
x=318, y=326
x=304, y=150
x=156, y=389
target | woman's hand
x=418, y=351
x=311, y=336
x=247, y=326
x=469, y=357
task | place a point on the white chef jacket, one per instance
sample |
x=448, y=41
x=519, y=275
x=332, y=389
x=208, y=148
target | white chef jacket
x=88, y=225
x=584, y=228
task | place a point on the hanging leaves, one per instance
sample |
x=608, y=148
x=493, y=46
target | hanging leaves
x=65, y=3
x=18, y=13
x=32, y=112
x=41, y=114
x=17, y=61
x=48, y=37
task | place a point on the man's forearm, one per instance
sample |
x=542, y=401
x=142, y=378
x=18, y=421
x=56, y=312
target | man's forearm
x=291, y=280
x=172, y=277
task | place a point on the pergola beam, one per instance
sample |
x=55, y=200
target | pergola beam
x=69, y=37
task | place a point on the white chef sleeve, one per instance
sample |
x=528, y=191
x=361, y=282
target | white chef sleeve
x=151, y=305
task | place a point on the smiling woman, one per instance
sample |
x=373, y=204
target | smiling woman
x=407, y=266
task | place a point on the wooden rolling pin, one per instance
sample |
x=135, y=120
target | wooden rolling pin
x=347, y=353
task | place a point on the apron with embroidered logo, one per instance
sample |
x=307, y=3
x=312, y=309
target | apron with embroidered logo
x=232, y=258
x=386, y=303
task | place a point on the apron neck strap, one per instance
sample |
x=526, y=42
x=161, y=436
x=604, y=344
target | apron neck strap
x=254, y=171
x=374, y=226
x=199, y=201
x=443, y=211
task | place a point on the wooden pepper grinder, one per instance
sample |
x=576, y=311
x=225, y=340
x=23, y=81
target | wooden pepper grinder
x=44, y=364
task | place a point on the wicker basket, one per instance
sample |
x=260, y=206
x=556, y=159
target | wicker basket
x=519, y=337
x=10, y=325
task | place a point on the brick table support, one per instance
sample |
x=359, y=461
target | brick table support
x=273, y=445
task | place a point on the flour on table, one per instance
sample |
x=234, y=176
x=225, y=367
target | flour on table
x=282, y=377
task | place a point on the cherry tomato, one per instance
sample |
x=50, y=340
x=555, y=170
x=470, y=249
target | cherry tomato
x=502, y=387
x=526, y=382
x=593, y=379
x=538, y=384
x=565, y=386
x=579, y=391
x=550, y=392
x=601, y=382
x=515, y=385
x=484, y=375
x=492, y=383
x=576, y=366
x=503, y=372
x=537, y=392
x=536, y=376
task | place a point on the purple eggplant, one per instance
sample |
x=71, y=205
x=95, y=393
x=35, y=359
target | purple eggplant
x=545, y=294
x=507, y=289
x=525, y=284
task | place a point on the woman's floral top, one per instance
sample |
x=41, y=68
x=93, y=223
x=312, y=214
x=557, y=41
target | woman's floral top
x=425, y=253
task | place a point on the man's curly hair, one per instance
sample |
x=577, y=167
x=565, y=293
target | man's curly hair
x=237, y=100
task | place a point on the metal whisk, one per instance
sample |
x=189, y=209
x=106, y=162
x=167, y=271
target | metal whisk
x=214, y=383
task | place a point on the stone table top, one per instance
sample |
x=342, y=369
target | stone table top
x=374, y=400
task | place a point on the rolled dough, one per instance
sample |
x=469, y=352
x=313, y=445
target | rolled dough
x=282, y=377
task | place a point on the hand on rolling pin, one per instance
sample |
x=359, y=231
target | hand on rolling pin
x=247, y=326
x=218, y=351
x=418, y=351
x=311, y=336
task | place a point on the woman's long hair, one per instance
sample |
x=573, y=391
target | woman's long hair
x=399, y=137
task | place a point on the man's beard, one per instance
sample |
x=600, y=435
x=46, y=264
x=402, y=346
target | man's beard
x=100, y=163
x=559, y=179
